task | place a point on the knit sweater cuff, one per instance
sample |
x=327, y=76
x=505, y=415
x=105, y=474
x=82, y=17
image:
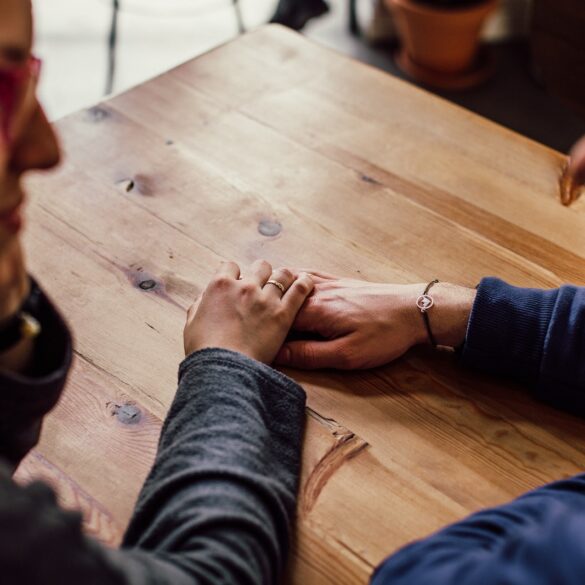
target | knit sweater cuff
x=507, y=329
x=227, y=358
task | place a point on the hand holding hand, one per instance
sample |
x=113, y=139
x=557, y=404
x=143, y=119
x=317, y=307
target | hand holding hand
x=365, y=324
x=247, y=314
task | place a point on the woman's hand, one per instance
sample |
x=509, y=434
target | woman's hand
x=244, y=312
x=364, y=324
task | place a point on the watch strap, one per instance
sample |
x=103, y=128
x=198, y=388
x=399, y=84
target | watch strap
x=24, y=324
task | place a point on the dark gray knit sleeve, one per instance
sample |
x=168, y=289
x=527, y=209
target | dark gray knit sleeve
x=219, y=503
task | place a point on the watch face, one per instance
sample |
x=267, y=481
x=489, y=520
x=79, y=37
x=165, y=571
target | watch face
x=29, y=326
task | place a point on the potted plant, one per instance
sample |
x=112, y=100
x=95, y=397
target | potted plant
x=440, y=40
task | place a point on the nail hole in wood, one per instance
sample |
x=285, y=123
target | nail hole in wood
x=126, y=185
x=269, y=228
x=97, y=114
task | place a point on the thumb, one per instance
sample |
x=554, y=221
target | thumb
x=312, y=355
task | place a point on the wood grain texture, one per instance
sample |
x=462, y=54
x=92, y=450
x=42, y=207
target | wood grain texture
x=276, y=148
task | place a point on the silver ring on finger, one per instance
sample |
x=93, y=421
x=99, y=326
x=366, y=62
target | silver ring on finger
x=277, y=284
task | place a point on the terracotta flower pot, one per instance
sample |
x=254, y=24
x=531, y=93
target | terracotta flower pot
x=442, y=40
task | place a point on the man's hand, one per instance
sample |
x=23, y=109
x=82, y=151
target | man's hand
x=364, y=324
x=246, y=313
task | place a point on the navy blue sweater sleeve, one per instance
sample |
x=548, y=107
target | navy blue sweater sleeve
x=534, y=540
x=537, y=336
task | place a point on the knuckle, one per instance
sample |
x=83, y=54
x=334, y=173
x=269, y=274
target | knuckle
x=286, y=273
x=303, y=286
x=263, y=303
x=248, y=288
x=221, y=282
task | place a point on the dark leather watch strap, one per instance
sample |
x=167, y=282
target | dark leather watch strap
x=24, y=323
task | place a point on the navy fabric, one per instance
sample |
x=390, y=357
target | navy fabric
x=539, y=539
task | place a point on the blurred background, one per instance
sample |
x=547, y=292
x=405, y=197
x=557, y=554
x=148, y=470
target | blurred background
x=73, y=38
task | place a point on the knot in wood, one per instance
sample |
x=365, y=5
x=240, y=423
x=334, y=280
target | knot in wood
x=128, y=414
x=147, y=284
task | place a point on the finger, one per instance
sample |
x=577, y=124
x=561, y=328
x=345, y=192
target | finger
x=319, y=275
x=260, y=272
x=570, y=189
x=309, y=317
x=283, y=276
x=296, y=295
x=230, y=269
x=573, y=178
x=312, y=355
x=577, y=162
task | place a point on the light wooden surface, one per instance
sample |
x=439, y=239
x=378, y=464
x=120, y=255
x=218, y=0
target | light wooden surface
x=360, y=174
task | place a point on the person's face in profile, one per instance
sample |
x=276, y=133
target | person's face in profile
x=26, y=139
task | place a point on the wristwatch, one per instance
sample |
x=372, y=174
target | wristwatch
x=24, y=324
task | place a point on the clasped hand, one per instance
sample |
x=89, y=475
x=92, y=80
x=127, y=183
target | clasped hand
x=244, y=312
x=359, y=324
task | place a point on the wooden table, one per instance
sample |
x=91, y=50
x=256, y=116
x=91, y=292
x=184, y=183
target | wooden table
x=272, y=147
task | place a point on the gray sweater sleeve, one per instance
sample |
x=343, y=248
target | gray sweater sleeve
x=219, y=503
x=217, y=507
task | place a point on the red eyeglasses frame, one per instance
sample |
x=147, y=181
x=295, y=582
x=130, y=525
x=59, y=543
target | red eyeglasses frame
x=13, y=89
